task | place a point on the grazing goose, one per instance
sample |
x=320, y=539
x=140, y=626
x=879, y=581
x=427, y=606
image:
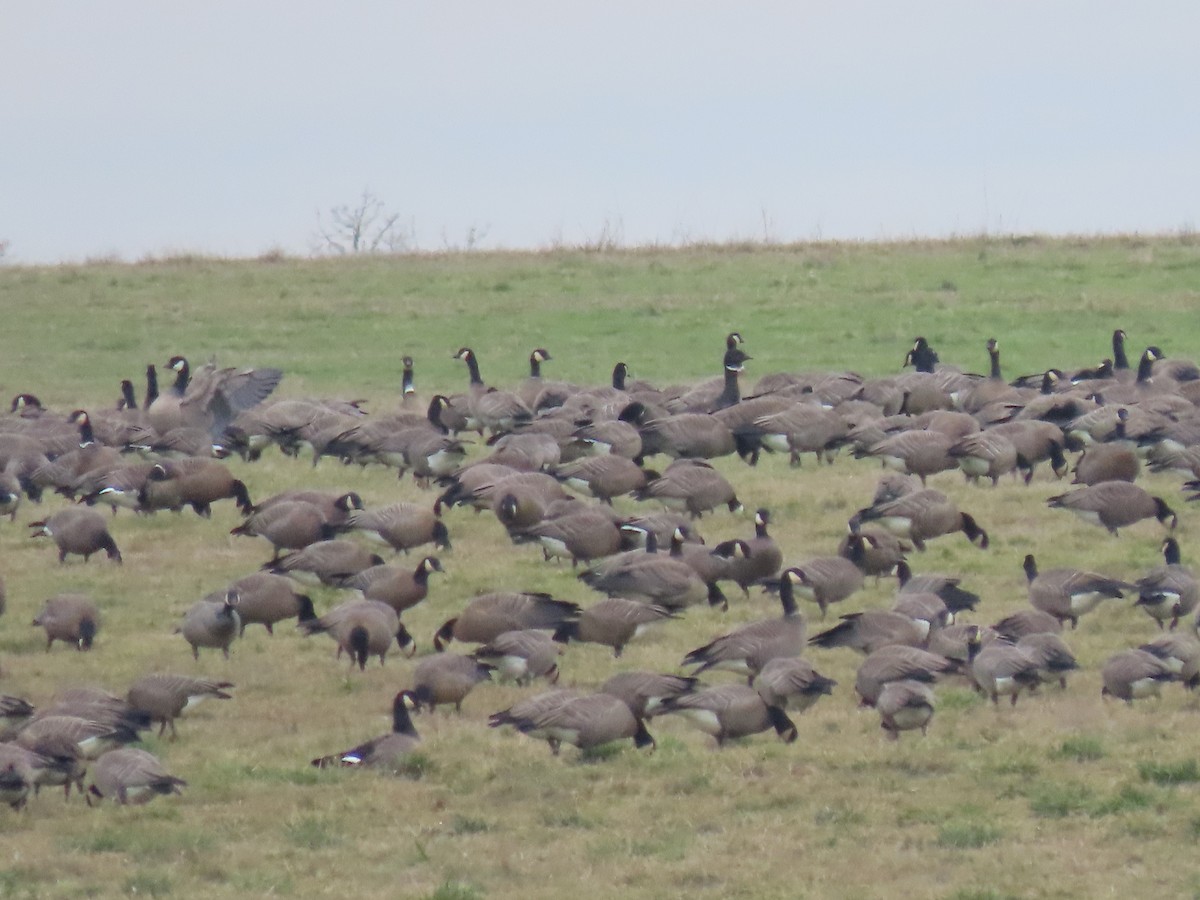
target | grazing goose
x=1000, y=667
x=490, y=615
x=905, y=705
x=692, y=486
x=335, y=507
x=614, y=622
x=1168, y=592
x=748, y=648
x=897, y=662
x=1114, y=504
x=946, y=587
x=199, y=482
x=791, y=683
x=658, y=579
x=921, y=453
x=874, y=550
x=361, y=629
x=987, y=455
x=1068, y=594
x=386, y=752
x=18, y=774
x=532, y=708
x=70, y=618
x=730, y=711
x=402, y=526
x=209, y=624
x=78, y=531
x=868, y=631
x=1107, y=462
x=1035, y=442
x=1135, y=674
x=580, y=536
x=1181, y=653
x=164, y=697
x=331, y=563
x=266, y=599
x=827, y=580
x=604, y=477
x=522, y=655
x=62, y=762
x=15, y=712
x=91, y=738
x=645, y=692
x=1053, y=657
x=1027, y=621
x=447, y=678
x=398, y=587
x=288, y=525
x=587, y=722
x=921, y=516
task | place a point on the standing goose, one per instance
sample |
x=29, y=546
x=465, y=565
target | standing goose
x=919, y=452
x=70, y=618
x=209, y=624
x=614, y=622
x=397, y=586
x=447, y=678
x=692, y=486
x=904, y=706
x=747, y=649
x=587, y=722
x=645, y=692
x=18, y=774
x=164, y=696
x=489, y=615
x=761, y=558
x=331, y=563
x=489, y=408
x=791, y=683
x=828, y=579
x=947, y=587
x=655, y=578
x=1023, y=622
x=266, y=599
x=604, y=477
x=897, y=662
x=1168, y=592
x=1133, y=675
x=868, y=631
x=402, y=526
x=921, y=516
x=200, y=482
x=874, y=550
x=80, y=531
x=731, y=711
x=1000, y=667
x=388, y=751
x=1068, y=594
x=1053, y=657
x=1114, y=504
x=212, y=398
x=986, y=455
x=287, y=525
x=362, y=629
x=522, y=655
x=581, y=535
x=1114, y=460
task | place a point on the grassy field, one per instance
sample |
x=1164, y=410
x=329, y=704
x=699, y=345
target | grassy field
x=1063, y=796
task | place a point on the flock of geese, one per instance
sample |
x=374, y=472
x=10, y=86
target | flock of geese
x=558, y=455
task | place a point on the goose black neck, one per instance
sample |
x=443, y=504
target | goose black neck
x=434, y=414
x=86, y=434
x=994, y=353
x=1120, y=360
x=127, y=395
x=730, y=395
x=151, y=384
x=406, y=381
x=1171, y=552
x=1031, y=570
x=1145, y=367
x=619, y=374
x=787, y=595
x=401, y=720
x=182, y=377
x=535, y=366
x=473, y=368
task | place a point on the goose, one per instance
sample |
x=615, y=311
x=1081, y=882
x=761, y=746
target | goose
x=905, y=705
x=1000, y=667
x=533, y=449
x=91, y=738
x=522, y=655
x=1133, y=675
x=987, y=455
x=581, y=535
x=614, y=622
x=827, y=580
x=801, y=428
x=532, y=708
x=1068, y=594
x=211, y=398
x=1017, y=625
x=266, y=599
x=874, y=550
x=616, y=437
x=402, y=526
x=1035, y=442
x=868, y=631
x=400, y=588
x=921, y=453
x=587, y=722
x=921, y=516
x=164, y=697
x=287, y=525
x=1168, y=592
x=791, y=683
x=447, y=678
x=1053, y=657
x=332, y=562
x=1181, y=653
x=70, y=618
x=604, y=477
x=1114, y=505
x=748, y=648
x=991, y=389
x=730, y=711
x=645, y=692
x=1106, y=462
x=490, y=408
x=386, y=752
x=10, y=491
x=18, y=774
x=335, y=506
x=692, y=486
x=897, y=662
x=200, y=482
x=761, y=557
x=361, y=629
x=947, y=587
x=78, y=531
x=96, y=705
x=489, y=615
x=60, y=761
x=67, y=471
x=15, y=712
x=655, y=578
x=209, y=624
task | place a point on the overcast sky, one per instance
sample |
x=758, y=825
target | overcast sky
x=145, y=128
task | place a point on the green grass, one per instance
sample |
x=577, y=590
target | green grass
x=1063, y=795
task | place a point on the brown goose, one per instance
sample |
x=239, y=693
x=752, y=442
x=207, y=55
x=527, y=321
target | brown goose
x=1000, y=667
x=604, y=477
x=1168, y=592
x=692, y=486
x=730, y=711
x=211, y=398
x=70, y=618
x=399, y=587
x=209, y=624
x=386, y=752
x=904, y=706
x=761, y=558
x=897, y=663
x=582, y=535
x=1133, y=675
x=266, y=599
x=655, y=578
x=828, y=579
x=1027, y=621
x=18, y=774
x=986, y=455
x=522, y=655
x=335, y=507
x=645, y=692
x=587, y=722
x=361, y=629
x=1114, y=504
x=14, y=713
x=791, y=683
x=489, y=408
x=1053, y=657
x=80, y=531
x=747, y=649
x=447, y=678
x=870, y=630
x=921, y=516
x=164, y=697
x=1068, y=594
x=613, y=622
x=332, y=563
x=287, y=525
x=921, y=453
x=402, y=526
x=489, y=615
